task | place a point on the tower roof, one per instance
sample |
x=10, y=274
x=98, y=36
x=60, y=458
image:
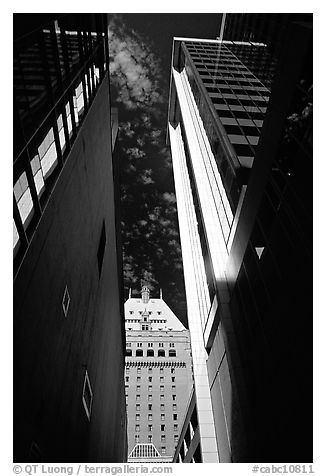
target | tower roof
x=154, y=311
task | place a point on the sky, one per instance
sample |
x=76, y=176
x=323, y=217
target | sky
x=140, y=48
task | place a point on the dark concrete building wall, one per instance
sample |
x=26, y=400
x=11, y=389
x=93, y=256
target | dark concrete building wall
x=52, y=351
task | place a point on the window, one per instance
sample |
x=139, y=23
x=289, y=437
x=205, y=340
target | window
x=150, y=370
x=150, y=353
x=174, y=407
x=175, y=427
x=128, y=344
x=172, y=379
x=150, y=379
x=136, y=438
x=139, y=353
x=68, y=116
x=162, y=416
x=161, y=370
x=137, y=407
x=87, y=396
x=173, y=387
x=138, y=378
x=150, y=427
x=150, y=416
x=48, y=154
x=161, y=344
x=150, y=438
x=24, y=200
x=173, y=370
x=150, y=398
x=163, y=438
x=38, y=177
x=144, y=328
x=162, y=427
x=163, y=450
x=162, y=406
x=171, y=344
x=138, y=388
x=137, y=428
x=161, y=388
x=150, y=344
x=128, y=353
x=137, y=398
x=176, y=438
x=161, y=353
x=161, y=397
x=101, y=248
x=127, y=379
x=138, y=370
x=126, y=388
x=65, y=301
x=174, y=397
x=172, y=353
x=175, y=416
x=139, y=344
x=150, y=388
x=150, y=406
x=137, y=416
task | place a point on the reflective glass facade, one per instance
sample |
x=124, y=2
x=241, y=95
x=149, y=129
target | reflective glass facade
x=58, y=69
x=245, y=107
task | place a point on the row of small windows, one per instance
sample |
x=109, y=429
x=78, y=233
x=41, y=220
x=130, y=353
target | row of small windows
x=162, y=405
x=150, y=388
x=150, y=415
x=150, y=344
x=150, y=353
x=150, y=439
x=149, y=312
x=149, y=396
x=150, y=379
x=150, y=369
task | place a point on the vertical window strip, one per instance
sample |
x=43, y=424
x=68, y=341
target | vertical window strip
x=68, y=116
x=75, y=110
x=61, y=132
x=24, y=200
x=38, y=175
x=80, y=99
x=16, y=241
x=48, y=154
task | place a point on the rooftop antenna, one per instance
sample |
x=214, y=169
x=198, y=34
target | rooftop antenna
x=161, y=293
x=129, y=293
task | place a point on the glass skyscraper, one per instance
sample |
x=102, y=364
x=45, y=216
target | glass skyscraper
x=243, y=188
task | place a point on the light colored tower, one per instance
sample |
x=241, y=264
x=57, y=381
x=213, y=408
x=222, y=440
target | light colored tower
x=158, y=377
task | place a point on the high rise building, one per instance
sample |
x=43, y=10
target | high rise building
x=69, y=338
x=241, y=142
x=158, y=377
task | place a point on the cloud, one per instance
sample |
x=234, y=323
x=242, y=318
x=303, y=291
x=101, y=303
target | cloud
x=145, y=177
x=125, y=129
x=169, y=197
x=135, y=153
x=134, y=70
